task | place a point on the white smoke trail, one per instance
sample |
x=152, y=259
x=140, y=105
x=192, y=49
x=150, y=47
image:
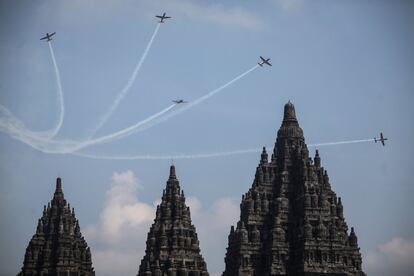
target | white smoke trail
x=16, y=129
x=18, y=124
x=126, y=131
x=169, y=157
x=202, y=155
x=197, y=101
x=127, y=87
x=60, y=94
x=341, y=142
x=40, y=140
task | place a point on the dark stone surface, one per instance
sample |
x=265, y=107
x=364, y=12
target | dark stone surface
x=58, y=247
x=172, y=243
x=291, y=222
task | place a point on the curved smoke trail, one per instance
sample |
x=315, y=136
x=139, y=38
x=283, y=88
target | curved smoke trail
x=127, y=87
x=60, y=92
x=16, y=129
x=203, y=155
x=18, y=124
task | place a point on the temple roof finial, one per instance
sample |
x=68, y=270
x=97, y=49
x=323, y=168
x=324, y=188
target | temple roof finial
x=263, y=158
x=58, y=184
x=58, y=191
x=172, y=172
x=289, y=114
x=290, y=127
x=317, y=159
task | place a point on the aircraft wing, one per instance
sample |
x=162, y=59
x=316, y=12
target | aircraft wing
x=382, y=139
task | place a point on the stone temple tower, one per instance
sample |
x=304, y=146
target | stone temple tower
x=291, y=222
x=58, y=247
x=172, y=243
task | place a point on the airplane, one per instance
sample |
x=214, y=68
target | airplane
x=381, y=139
x=179, y=101
x=162, y=17
x=48, y=36
x=264, y=61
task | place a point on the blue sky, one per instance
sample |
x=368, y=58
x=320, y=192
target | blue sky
x=348, y=66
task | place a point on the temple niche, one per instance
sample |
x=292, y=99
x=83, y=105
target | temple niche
x=291, y=222
x=58, y=247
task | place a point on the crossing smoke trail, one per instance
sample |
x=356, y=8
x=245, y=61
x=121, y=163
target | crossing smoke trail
x=39, y=140
x=60, y=93
x=14, y=123
x=127, y=87
x=17, y=130
x=204, y=155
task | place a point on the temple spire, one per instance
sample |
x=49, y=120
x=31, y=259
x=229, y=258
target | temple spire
x=290, y=221
x=172, y=244
x=54, y=236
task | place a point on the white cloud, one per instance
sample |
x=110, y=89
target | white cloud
x=118, y=239
x=395, y=257
x=213, y=227
x=195, y=205
x=116, y=262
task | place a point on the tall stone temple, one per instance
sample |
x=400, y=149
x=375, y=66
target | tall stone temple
x=172, y=244
x=58, y=247
x=291, y=222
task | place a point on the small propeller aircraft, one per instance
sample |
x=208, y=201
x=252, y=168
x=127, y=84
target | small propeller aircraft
x=381, y=139
x=162, y=17
x=264, y=61
x=179, y=101
x=48, y=36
